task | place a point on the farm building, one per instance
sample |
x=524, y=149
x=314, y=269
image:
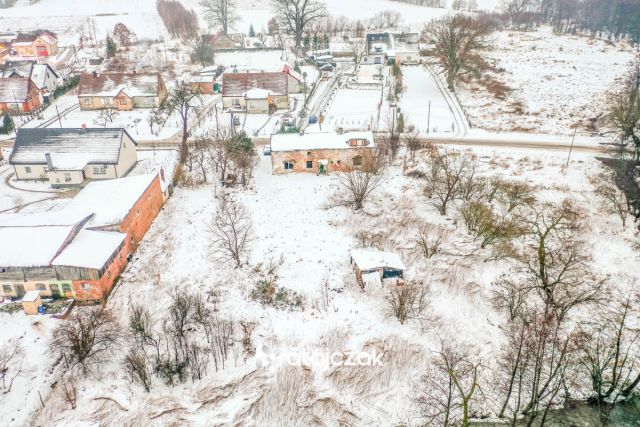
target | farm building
x=402, y=48
x=70, y=157
x=19, y=95
x=373, y=265
x=38, y=45
x=257, y=93
x=121, y=91
x=80, y=251
x=319, y=153
x=224, y=41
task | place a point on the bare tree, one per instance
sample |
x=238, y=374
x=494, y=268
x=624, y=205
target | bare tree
x=457, y=39
x=183, y=100
x=222, y=13
x=10, y=364
x=624, y=113
x=70, y=390
x=294, y=16
x=610, y=353
x=412, y=140
x=364, y=177
x=87, y=338
x=446, y=392
x=123, y=35
x=614, y=199
x=429, y=239
x=232, y=230
x=137, y=366
x=447, y=174
x=201, y=51
x=407, y=301
x=106, y=116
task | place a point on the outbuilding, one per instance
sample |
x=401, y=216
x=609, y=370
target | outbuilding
x=382, y=264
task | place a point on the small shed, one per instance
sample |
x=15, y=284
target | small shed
x=31, y=301
x=387, y=265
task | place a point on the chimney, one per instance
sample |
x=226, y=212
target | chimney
x=49, y=162
x=95, y=74
x=84, y=127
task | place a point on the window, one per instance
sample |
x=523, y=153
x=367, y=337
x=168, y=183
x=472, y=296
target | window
x=235, y=102
x=87, y=101
x=99, y=170
x=66, y=288
x=288, y=165
x=309, y=164
x=137, y=212
x=7, y=289
x=123, y=101
x=67, y=177
x=27, y=169
x=86, y=286
x=41, y=287
x=357, y=161
x=358, y=142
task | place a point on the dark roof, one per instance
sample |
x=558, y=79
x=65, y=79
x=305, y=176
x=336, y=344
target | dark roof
x=14, y=89
x=16, y=69
x=94, y=145
x=110, y=84
x=237, y=84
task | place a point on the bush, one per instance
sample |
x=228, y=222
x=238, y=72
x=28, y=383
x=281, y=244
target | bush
x=268, y=292
x=69, y=84
x=6, y=124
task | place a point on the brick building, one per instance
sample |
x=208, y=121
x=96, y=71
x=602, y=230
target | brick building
x=320, y=153
x=80, y=251
x=19, y=95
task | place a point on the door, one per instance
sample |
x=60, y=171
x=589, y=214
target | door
x=55, y=291
x=19, y=290
x=321, y=169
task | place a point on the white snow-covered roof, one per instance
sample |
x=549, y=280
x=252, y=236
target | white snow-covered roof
x=111, y=84
x=31, y=296
x=257, y=94
x=31, y=246
x=370, y=259
x=43, y=219
x=110, y=200
x=318, y=141
x=90, y=249
x=39, y=75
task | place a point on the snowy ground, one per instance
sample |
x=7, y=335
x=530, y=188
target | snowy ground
x=354, y=109
x=420, y=90
x=553, y=81
x=292, y=218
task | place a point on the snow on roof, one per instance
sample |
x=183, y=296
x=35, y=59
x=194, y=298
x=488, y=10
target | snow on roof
x=110, y=200
x=68, y=147
x=257, y=94
x=237, y=84
x=41, y=219
x=90, y=249
x=31, y=246
x=370, y=259
x=14, y=90
x=111, y=84
x=31, y=296
x=317, y=141
x=39, y=74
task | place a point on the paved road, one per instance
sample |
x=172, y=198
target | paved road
x=509, y=144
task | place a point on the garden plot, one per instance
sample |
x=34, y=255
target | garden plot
x=544, y=82
x=419, y=90
x=299, y=228
x=354, y=109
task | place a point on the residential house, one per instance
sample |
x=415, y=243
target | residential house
x=373, y=266
x=401, y=48
x=263, y=92
x=121, y=91
x=223, y=41
x=19, y=95
x=39, y=45
x=320, y=153
x=80, y=251
x=42, y=75
x=69, y=157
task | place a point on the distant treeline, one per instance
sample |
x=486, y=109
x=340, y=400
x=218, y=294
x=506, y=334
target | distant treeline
x=178, y=20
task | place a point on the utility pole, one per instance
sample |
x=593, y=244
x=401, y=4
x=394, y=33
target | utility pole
x=571, y=148
x=58, y=112
x=429, y=118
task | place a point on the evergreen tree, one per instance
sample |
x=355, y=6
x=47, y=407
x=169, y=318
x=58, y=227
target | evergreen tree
x=111, y=47
x=6, y=124
x=252, y=32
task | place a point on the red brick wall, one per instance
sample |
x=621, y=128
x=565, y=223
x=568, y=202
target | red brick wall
x=135, y=225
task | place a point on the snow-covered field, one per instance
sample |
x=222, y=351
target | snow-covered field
x=555, y=81
x=293, y=218
x=354, y=109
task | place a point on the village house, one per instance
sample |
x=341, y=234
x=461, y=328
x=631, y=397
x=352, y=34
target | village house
x=121, y=91
x=373, y=266
x=320, y=153
x=401, y=48
x=224, y=41
x=80, y=251
x=19, y=95
x=42, y=75
x=70, y=157
x=257, y=93
x=38, y=45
